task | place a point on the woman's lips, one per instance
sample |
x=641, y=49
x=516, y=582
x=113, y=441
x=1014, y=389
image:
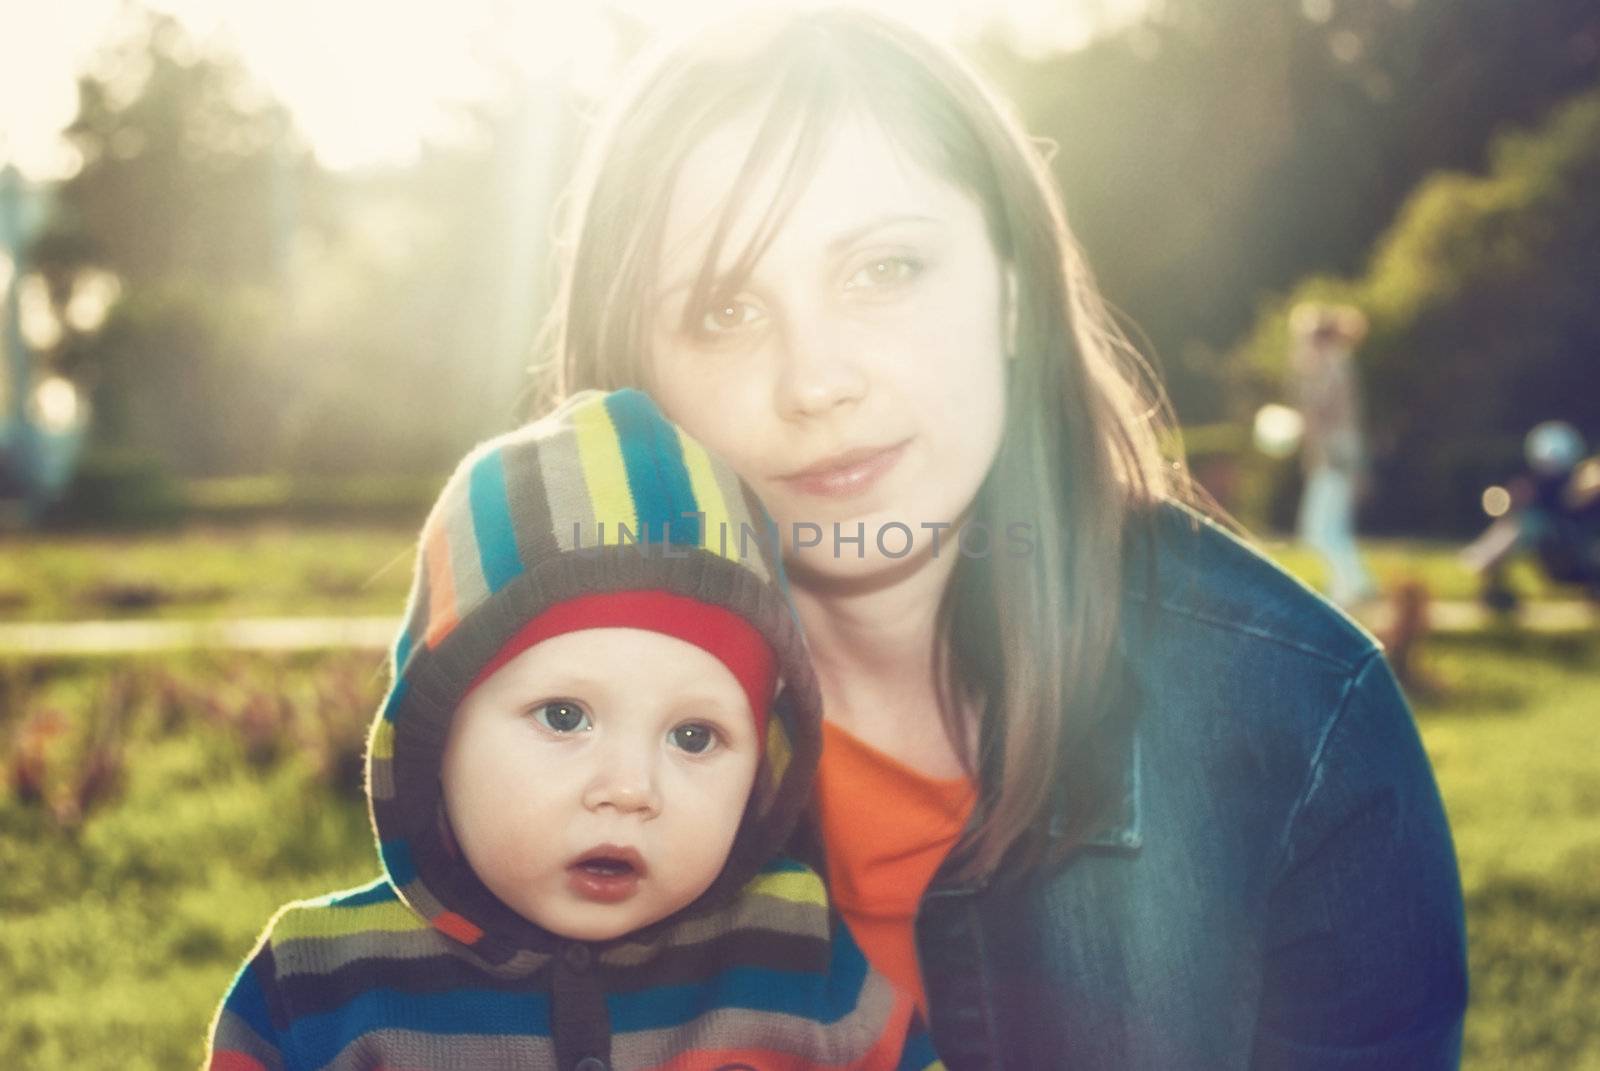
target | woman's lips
x=847, y=474
x=608, y=874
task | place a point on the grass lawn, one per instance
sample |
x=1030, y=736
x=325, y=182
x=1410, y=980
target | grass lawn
x=265, y=570
x=1513, y=738
x=122, y=933
x=1393, y=561
x=283, y=569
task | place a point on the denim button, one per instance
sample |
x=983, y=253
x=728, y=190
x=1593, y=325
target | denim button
x=591, y=1063
x=577, y=957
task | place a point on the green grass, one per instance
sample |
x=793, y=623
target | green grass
x=121, y=935
x=264, y=570
x=1392, y=561
x=120, y=938
x=284, y=569
x=1513, y=736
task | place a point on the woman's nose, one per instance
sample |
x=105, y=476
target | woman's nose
x=820, y=371
x=625, y=782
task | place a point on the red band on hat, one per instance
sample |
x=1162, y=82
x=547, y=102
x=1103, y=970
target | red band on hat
x=718, y=631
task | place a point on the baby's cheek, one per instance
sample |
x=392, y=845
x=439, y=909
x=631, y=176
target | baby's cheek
x=719, y=820
x=531, y=843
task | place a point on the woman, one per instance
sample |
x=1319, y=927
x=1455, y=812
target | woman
x=1102, y=786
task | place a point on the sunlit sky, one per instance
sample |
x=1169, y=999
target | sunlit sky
x=366, y=80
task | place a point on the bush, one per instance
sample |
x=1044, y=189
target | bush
x=120, y=489
x=400, y=498
x=1484, y=323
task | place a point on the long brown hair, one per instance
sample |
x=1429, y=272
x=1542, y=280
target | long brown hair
x=1028, y=641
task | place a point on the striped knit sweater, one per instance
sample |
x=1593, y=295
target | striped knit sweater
x=357, y=980
x=424, y=968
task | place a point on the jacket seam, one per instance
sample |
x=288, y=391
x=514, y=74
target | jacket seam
x=1314, y=772
x=1349, y=664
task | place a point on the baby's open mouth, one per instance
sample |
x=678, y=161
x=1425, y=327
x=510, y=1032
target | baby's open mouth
x=607, y=873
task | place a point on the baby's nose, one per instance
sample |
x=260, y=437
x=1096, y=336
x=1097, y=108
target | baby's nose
x=625, y=781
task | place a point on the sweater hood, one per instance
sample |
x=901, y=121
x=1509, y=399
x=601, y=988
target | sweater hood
x=602, y=495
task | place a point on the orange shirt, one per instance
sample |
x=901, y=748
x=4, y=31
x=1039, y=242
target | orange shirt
x=885, y=830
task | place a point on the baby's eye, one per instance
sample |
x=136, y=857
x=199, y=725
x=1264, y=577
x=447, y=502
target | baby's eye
x=885, y=271
x=728, y=315
x=694, y=738
x=562, y=716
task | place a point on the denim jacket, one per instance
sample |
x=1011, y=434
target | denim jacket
x=1277, y=888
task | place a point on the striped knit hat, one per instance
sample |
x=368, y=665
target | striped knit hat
x=602, y=496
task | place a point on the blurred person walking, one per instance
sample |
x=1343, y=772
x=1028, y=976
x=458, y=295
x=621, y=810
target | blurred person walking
x=1333, y=453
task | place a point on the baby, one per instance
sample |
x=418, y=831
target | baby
x=581, y=776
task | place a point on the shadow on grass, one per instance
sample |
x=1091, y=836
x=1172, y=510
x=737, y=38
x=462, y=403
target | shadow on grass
x=1452, y=701
x=1576, y=650
x=1535, y=969
x=1498, y=674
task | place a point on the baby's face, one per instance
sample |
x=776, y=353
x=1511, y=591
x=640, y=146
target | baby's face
x=595, y=782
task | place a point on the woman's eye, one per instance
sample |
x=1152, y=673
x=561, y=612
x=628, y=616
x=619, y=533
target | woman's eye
x=562, y=716
x=695, y=739
x=885, y=271
x=729, y=315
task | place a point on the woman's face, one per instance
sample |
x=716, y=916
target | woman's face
x=857, y=378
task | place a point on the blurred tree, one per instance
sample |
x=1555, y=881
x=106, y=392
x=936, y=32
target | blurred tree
x=186, y=200
x=1484, y=322
x=273, y=317
x=1219, y=150
x=188, y=166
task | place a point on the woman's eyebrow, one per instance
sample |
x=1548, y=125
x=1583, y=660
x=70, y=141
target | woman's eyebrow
x=837, y=244
x=850, y=237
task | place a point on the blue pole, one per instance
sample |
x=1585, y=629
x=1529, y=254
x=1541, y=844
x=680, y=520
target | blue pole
x=17, y=444
x=18, y=363
x=24, y=449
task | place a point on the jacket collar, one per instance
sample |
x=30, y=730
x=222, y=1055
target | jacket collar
x=1123, y=828
x=1121, y=833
